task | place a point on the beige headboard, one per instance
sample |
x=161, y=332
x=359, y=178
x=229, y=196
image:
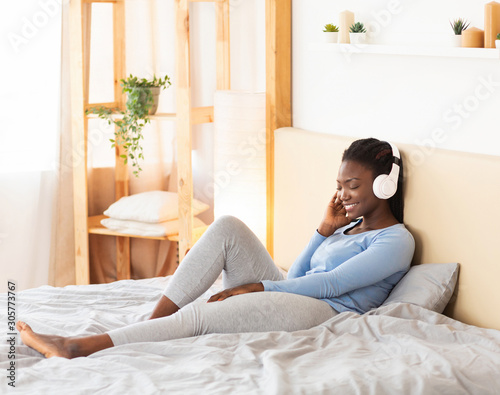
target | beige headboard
x=451, y=208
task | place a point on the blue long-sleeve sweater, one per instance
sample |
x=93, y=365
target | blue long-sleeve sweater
x=350, y=272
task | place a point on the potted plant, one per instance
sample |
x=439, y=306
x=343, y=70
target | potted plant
x=357, y=33
x=458, y=26
x=331, y=33
x=497, y=41
x=142, y=101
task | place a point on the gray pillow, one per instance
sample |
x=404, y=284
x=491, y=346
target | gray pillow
x=429, y=285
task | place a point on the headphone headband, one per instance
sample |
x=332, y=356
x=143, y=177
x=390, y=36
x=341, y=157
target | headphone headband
x=395, y=151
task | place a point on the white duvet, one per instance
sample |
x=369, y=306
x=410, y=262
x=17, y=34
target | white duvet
x=396, y=349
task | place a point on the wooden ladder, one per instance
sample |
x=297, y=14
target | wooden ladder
x=185, y=117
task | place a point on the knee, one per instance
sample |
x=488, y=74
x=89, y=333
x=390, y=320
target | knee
x=229, y=222
x=230, y=229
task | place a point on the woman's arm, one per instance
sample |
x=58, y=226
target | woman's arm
x=333, y=219
x=386, y=256
x=303, y=262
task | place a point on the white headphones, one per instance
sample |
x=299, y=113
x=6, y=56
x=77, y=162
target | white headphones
x=386, y=185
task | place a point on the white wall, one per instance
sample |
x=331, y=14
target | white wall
x=446, y=102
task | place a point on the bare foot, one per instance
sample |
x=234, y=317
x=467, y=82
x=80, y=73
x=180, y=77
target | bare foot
x=49, y=346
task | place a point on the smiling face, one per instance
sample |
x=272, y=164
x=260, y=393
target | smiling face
x=355, y=190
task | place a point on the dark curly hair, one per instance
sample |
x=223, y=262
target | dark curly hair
x=377, y=156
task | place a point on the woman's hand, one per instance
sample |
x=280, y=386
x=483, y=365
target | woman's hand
x=242, y=289
x=334, y=218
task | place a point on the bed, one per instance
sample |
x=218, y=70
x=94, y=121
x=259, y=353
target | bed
x=426, y=339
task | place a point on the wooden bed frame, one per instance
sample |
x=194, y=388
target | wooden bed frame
x=450, y=208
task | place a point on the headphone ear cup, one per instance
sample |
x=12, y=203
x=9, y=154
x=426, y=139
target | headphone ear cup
x=377, y=182
x=384, y=187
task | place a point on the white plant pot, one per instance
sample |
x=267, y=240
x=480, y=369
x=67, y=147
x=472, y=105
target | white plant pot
x=357, y=38
x=497, y=44
x=331, y=37
x=457, y=40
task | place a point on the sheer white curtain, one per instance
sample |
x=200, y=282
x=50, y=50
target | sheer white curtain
x=29, y=138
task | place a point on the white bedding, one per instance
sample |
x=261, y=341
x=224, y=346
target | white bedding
x=399, y=348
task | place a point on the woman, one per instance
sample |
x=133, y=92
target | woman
x=360, y=250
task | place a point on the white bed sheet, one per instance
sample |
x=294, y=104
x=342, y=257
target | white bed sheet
x=398, y=348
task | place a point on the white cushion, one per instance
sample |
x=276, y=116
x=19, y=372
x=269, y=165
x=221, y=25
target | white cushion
x=152, y=207
x=429, y=285
x=165, y=228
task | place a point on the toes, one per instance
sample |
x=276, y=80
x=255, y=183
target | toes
x=22, y=326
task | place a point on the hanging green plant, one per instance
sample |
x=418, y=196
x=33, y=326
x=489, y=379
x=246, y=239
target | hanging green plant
x=140, y=104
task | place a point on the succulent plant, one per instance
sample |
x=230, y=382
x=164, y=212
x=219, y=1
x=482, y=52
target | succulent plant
x=459, y=25
x=358, y=27
x=331, y=28
x=498, y=36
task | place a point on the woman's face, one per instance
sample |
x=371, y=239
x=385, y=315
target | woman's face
x=355, y=189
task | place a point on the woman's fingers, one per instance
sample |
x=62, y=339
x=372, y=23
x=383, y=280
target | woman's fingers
x=215, y=297
x=220, y=296
x=339, y=209
x=242, y=289
x=338, y=206
x=336, y=199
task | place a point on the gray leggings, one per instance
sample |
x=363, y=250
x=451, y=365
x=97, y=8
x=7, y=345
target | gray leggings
x=228, y=246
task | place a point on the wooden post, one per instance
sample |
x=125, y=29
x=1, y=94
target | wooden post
x=278, y=90
x=121, y=169
x=87, y=36
x=222, y=45
x=79, y=144
x=184, y=166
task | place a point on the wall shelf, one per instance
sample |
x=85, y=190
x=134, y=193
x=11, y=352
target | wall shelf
x=198, y=115
x=437, y=51
x=158, y=116
x=95, y=227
